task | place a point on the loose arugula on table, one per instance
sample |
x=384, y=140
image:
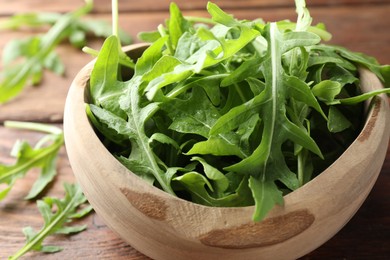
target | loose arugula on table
x=43, y=156
x=57, y=213
x=38, y=52
x=232, y=113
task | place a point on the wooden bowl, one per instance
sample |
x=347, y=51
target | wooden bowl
x=165, y=227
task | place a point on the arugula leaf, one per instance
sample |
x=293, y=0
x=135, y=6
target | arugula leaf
x=268, y=157
x=247, y=109
x=56, y=214
x=177, y=25
x=77, y=31
x=142, y=153
x=337, y=121
x=381, y=71
x=38, y=52
x=18, y=21
x=16, y=77
x=43, y=155
x=105, y=84
x=363, y=97
x=196, y=184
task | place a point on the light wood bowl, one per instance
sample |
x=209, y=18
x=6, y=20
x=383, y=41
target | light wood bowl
x=165, y=227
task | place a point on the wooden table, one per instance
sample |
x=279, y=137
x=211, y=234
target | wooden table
x=356, y=24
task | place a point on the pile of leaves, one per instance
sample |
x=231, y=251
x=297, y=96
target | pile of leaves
x=233, y=112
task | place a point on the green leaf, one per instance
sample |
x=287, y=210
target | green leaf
x=137, y=117
x=226, y=49
x=366, y=61
x=54, y=221
x=327, y=90
x=165, y=71
x=104, y=84
x=277, y=129
x=43, y=156
x=337, y=121
x=219, y=16
x=194, y=115
x=197, y=185
x=110, y=134
x=177, y=25
x=164, y=139
x=300, y=91
x=149, y=36
x=363, y=97
x=304, y=19
x=219, y=181
x=249, y=68
x=51, y=249
x=15, y=78
x=141, y=162
x=221, y=145
x=298, y=39
x=239, y=114
x=266, y=195
x=71, y=229
x=114, y=122
x=54, y=63
x=38, y=51
x=16, y=48
x=149, y=57
x=29, y=19
x=47, y=175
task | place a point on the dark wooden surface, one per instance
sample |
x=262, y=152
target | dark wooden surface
x=356, y=24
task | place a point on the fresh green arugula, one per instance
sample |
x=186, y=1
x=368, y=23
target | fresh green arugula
x=228, y=112
x=43, y=156
x=38, y=52
x=56, y=213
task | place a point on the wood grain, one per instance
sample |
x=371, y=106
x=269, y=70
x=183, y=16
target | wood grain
x=103, y=6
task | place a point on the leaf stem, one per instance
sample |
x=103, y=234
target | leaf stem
x=90, y=51
x=33, y=126
x=363, y=97
x=161, y=30
x=300, y=168
x=199, y=19
x=115, y=16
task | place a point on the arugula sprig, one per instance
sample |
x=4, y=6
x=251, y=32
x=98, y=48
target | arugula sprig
x=56, y=213
x=232, y=114
x=38, y=52
x=43, y=155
